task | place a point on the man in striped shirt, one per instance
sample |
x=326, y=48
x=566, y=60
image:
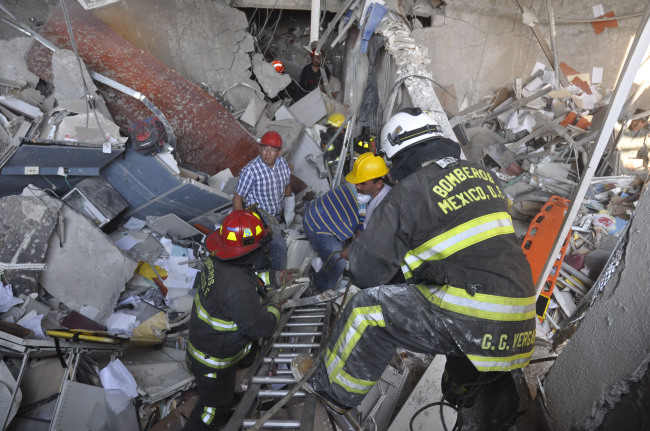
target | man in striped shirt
x=333, y=218
x=265, y=181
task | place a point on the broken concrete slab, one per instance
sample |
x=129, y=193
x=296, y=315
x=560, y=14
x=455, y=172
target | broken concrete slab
x=13, y=66
x=310, y=109
x=209, y=138
x=68, y=80
x=27, y=225
x=158, y=373
x=88, y=273
x=271, y=81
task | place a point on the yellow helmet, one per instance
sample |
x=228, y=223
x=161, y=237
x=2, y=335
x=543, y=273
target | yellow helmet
x=336, y=119
x=367, y=167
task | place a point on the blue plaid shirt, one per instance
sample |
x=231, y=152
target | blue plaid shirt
x=264, y=186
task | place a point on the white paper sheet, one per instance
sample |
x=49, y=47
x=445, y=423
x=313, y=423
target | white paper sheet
x=7, y=299
x=116, y=376
x=597, y=75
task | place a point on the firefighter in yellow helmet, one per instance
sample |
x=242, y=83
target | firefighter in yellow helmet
x=227, y=316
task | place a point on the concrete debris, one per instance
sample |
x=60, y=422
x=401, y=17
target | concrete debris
x=103, y=268
x=271, y=81
x=101, y=250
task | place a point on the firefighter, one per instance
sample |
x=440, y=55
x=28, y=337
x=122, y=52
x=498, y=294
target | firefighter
x=469, y=292
x=227, y=316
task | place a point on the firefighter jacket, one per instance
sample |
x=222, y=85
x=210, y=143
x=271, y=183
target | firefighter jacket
x=227, y=314
x=447, y=229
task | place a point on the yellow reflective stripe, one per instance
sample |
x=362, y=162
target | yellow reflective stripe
x=352, y=384
x=217, y=324
x=213, y=362
x=481, y=305
x=208, y=415
x=358, y=321
x=504, y=363
x=265, y=276
x=274, y=311
x=458, y=238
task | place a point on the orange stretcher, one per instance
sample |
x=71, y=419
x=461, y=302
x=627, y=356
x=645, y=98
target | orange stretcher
x=538, y=244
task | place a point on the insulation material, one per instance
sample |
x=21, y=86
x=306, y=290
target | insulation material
x=411, y=60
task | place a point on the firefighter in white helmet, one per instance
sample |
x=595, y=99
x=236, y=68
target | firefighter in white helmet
x=469, y=294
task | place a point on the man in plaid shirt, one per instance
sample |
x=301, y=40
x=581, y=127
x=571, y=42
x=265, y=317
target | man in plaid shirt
x=265, y=181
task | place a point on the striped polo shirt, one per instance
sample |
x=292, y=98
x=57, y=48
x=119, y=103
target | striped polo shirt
x=334, y=213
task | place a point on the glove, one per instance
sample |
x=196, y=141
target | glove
x=289, y=209
x=286, y=276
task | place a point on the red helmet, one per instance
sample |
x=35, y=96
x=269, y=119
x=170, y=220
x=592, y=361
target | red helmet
x=272, y=139
x=240, y=233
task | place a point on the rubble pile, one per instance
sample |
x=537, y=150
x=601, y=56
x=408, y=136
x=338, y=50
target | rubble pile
x=538, y=140
x=106, y=201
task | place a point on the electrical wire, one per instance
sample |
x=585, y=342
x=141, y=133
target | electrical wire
x=89, y=98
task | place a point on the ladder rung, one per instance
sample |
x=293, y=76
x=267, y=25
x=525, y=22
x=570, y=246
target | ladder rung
x=295, y=345
x=311, y=310
x=304, y=324
x=272, y=380
x=307, y=316
x=278, y=360
x=280, y=393
x=299, y=334
x=247, y=423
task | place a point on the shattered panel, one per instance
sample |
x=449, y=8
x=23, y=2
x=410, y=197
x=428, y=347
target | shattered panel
x=209, y=138
x=151, y=189
x=88, y=273
x=27, y=224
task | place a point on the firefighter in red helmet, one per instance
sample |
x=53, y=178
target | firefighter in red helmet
x=227, y=315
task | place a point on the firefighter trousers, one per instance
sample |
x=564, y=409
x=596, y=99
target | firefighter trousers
x=371, y=326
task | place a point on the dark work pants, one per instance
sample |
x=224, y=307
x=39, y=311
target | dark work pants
x=216, y=389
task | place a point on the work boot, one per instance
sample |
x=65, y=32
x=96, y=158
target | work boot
x=300, y=366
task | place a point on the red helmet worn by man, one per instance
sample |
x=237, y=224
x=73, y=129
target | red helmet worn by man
x=272, y=139
x=241, y=232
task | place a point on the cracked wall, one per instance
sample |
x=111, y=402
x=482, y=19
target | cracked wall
x=480, y=47
x=610, y=351
x=205, y=41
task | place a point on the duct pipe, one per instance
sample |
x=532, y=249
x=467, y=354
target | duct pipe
x=315, y=21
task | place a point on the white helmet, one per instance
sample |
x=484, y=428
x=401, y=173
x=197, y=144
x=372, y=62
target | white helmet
x=406, y=128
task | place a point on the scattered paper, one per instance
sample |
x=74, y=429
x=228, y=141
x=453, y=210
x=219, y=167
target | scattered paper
x=7, y=299
x=121, y=323
x=560, y=94
x=583, y=77
x=127, y=242
x=598, y=10
x=32, y=321
x=116, y=376
x=538, y=66
x=548, y=77
x=597, y=75
x=134, y=224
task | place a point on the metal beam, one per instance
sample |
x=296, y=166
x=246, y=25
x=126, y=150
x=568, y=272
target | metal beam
x=623, y=86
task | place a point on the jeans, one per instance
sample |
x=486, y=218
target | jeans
x=276, y=249
x=332, y=269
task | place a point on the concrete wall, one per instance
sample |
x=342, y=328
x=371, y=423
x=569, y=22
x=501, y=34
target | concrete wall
x=203, y=40
x=481, y=46
x=611, y=348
